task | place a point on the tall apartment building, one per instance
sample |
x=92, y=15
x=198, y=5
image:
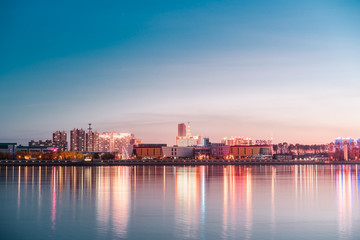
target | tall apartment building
x=92, y=141
x=60, y=141
x=181, y=130
x=115, y=142
x=77, y=140
x=185, y=138
x=106, y=143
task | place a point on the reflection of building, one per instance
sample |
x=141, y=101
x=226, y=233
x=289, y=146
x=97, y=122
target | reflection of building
x=188, y=202
x=113, y=201
x=149, y=150
x=77, y=140
x=178, y=152
x=60, y=140
x=248, y=151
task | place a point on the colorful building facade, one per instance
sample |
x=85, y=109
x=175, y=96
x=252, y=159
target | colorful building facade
x=153, y=151
x=249, y=151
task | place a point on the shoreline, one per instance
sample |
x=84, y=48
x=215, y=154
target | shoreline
x=189, y=162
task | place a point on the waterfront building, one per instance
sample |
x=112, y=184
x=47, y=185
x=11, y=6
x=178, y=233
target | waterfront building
x=349, y=142
x=263, y=141
x=249, y=151
x=186, y=142
x=202, y=152
x=331, y=147
x=283, y=157
x=35, y=148
x=177, y=152
x=232, y=141
x=153, y=151
x=77, y=140
x=346, y=153
x=106, y=143
x=60, y=141
x=345, y=149
x=135, y=141
x=7, y=147
x=92, y=141
x=41, y=143
x=205, y=142
x=219, y=150
x=185, y=138
x=121, y=143
x=303, y=150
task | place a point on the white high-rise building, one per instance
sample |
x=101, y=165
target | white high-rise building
x=188, y=140
x=115, y=142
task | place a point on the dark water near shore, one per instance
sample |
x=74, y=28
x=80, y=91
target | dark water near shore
x=202, y=202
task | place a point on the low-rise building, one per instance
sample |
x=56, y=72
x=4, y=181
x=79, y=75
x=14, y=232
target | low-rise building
x=220, y=150
x=7, y=147
x=35, y=148
x=283, y=157
x=41, y=143
x=248, y=151
x=176, y=152
x=151, y=151
x=202, y=152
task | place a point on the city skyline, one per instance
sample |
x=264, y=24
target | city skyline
x=287, y=70
x=183, y=133
x=207, y=119
x=168, y=139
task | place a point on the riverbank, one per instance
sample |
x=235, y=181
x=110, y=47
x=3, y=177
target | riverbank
x=157, y=162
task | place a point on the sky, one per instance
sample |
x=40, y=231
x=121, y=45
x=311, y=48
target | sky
x=289, y=70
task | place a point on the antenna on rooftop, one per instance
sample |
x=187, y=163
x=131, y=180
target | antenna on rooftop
x=89, y=127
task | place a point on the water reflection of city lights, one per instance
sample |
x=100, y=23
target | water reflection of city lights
x=187, y=202
x=228, y=200
x=237, y=202
x=53, y=209
x=344, y=187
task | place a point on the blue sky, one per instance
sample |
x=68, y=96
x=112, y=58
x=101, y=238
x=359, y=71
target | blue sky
x=283, y=69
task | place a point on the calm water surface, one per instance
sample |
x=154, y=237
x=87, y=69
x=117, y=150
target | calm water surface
x=203, y=202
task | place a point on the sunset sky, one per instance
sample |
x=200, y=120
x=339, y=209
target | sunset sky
x=283, y=69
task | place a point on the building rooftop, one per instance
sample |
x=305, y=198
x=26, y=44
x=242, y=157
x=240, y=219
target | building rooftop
x=30, y=147
x=6, y=144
